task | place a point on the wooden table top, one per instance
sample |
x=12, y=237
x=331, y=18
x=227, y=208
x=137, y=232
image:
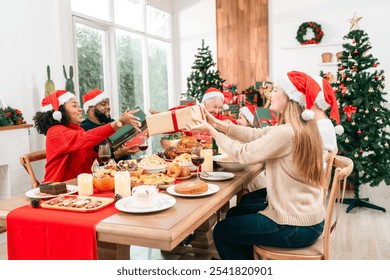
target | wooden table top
x=162, y=230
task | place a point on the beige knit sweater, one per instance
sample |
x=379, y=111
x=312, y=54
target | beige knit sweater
x=290, y=201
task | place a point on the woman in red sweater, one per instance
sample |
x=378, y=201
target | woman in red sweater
x=69, y=148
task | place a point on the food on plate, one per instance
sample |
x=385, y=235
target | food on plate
x=156, y=178
x=185, y=171
x=53, y=188
x=145, y=196
x=185, y=144
x=125, y=165
x=74, y=203
x=186, y=157
x=196, y=187
x=152, y=160
x=170, y=153
x=227, y=159
x=174, y=170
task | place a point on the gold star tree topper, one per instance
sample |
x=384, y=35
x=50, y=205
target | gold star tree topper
x=354, y=22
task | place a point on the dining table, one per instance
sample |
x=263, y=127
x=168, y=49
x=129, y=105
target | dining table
x=164, y=230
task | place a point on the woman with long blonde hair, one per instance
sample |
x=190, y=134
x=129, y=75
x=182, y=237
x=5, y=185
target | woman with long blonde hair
x=293, y=213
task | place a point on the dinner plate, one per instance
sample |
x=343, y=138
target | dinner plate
x=34, y=192
x=126, y=204
x=217, y=176
x=212, y=189
x=185, y=177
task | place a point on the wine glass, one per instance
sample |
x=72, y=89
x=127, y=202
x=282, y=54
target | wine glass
x=197, y=158
x=198, y=136
x=104, y=153
x=143, y=144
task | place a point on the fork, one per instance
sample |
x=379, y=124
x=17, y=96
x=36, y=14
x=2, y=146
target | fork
x=206, y=174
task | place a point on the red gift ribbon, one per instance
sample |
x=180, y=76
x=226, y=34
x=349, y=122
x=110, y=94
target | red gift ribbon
x=349, y=110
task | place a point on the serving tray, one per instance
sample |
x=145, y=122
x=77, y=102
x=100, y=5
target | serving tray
x=77, y=203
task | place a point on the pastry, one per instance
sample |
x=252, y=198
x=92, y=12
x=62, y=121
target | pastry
x=196, y=187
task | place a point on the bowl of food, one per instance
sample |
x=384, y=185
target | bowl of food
x=153, y=164
x=184, y=160
x=170, y=140
x=228, y=163
x=103, y=179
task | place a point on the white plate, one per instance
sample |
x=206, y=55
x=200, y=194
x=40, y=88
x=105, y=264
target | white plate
x=126, y=204
x=212, y=189
x=34, y=192
x=217, y=176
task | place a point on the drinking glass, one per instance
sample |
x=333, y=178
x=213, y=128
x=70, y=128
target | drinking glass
x=104, y=153
x=197, y=158
x=143, y=144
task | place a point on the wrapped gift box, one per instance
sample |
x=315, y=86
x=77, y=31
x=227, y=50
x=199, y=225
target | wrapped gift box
x=264, y=117
x=174, y=120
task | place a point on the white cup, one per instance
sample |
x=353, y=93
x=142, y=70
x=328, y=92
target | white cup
x=122, y=183
x=85, y=184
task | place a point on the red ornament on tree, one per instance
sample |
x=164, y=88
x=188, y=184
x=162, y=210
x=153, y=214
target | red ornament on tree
x=355, y=52
x=359, y=132
x=361, y=150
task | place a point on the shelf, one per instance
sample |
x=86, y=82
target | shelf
x=312, y=46
x=328, y=64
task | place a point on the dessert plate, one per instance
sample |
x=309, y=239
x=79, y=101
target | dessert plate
x=212, y=189
x=217, y=176
x=34, y=193
x=126, y=204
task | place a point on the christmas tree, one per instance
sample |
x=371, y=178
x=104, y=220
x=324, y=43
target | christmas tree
x=363, y=115
x=203, y=74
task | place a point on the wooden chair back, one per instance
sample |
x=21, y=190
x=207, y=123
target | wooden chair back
x=26, y=161
x=320, y=250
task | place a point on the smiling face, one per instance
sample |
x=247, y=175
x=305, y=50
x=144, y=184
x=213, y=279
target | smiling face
x=214, y=105
x=74, y=111
x=241, y=120
x=278, y=99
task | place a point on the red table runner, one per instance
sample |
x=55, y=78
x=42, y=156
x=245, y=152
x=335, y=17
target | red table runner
x=45, y=234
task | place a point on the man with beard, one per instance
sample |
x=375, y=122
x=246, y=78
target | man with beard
x=96, y=105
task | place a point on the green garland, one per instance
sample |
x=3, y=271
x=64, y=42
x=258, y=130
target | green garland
x=11, y=116
x=318, y=34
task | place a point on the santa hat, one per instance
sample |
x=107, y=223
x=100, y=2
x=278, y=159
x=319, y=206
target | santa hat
x=249, y=113
x=55, y=100
x=326, y=99
x=214, y=92
x=302, y=89
x=93, y=97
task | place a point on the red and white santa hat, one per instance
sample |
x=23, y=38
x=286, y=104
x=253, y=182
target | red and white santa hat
x=249, y=113
x=327, y=99
x=93, y=97
x=214, y=92
x=54, y=100
x=301, y=88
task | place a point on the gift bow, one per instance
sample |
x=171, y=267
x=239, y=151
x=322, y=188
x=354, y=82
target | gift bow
x=349, y=110
x=269, y=121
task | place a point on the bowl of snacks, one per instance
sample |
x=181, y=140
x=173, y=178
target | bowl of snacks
x=170, y=140
x=153, y=164
x=103, y=179
x=228, y=163
x=185, y=160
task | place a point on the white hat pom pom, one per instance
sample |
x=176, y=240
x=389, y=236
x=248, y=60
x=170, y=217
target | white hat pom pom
x=339, y=129
x=57, y=115
x=225, y=107
x=307, y=115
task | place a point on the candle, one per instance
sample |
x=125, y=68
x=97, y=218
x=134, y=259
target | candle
x=122, y=183
x=85, y=184
x=208, y=160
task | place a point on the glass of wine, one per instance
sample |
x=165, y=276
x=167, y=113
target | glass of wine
x=104, y=153
x=143, y=144
x=198, y=136
x=197, y=158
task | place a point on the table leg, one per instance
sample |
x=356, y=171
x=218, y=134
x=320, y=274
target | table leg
x=111, y=251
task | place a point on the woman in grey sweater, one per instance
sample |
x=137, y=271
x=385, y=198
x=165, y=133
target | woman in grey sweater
x=293, y=214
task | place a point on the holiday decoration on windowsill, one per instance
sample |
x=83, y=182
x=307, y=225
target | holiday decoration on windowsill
x=11, y=116
x=302, y=30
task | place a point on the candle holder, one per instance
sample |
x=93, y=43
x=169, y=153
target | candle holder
x=85, y=184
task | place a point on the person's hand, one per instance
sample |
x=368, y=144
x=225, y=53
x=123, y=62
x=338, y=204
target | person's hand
x=153, y=111
x=126, y=151
x=200, y=126
x=128, y=117
x=216, y=123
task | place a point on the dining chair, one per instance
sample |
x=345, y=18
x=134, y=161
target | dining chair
x=26, y=161
x=320, y=250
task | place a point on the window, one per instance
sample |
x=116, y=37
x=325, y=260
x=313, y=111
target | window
x=124, y=48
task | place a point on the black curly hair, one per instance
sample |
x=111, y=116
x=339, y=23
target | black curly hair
x=44, y=120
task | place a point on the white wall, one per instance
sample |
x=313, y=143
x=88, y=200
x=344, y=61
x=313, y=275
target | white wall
x=30, y=40
x=286, y=16
x=196, y=20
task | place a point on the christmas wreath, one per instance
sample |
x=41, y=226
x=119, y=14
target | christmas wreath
x=11, y=116
x=318, y=34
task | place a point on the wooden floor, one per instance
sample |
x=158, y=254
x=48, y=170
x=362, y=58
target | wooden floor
x=362, y=234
